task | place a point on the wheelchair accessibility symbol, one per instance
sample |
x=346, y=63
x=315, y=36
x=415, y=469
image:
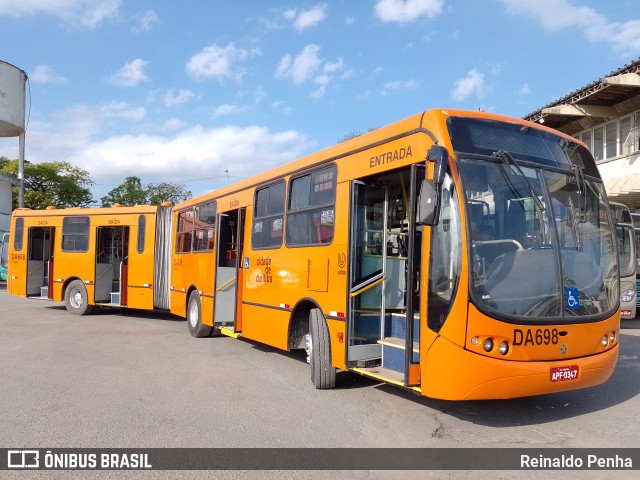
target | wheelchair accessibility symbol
x=571, y=298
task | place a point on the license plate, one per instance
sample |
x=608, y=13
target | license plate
x=562, y=374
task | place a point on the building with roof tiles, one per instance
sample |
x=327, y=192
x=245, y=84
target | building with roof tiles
x=606, y=116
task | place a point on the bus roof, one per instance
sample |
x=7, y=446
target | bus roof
x=52, y=212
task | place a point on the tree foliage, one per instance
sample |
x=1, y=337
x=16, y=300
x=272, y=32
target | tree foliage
x=131, y=192
x=354, y=134
x=59, y=184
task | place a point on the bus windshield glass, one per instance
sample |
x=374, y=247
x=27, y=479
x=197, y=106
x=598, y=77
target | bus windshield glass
x=542, y=245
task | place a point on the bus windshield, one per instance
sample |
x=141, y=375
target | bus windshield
x=541, y=239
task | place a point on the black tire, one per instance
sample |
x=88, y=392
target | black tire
x=323, y=375
x=76, y=299
x=194, y=317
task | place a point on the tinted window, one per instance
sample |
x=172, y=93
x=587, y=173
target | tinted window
x=268, y=219
x=204, y=228
x=75, y=234
x=184, y=231
x=18, y=234
x=311, y=209
x=142, y=225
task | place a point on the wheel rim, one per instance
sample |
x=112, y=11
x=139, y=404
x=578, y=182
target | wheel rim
x=193, y=314
x=76, y=299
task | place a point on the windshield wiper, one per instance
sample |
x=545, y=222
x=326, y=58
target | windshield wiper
x=508, y=160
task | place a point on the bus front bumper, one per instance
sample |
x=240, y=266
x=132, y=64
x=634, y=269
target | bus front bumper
x=453, y=373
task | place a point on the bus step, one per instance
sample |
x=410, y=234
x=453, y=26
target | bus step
x=393, y=356
x=370, y=363
x=115, y=297
x=229, y=332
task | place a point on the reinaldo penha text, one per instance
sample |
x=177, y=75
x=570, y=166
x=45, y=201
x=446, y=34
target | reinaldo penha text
x=590, y=461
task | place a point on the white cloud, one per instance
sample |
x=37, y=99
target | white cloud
x=46, y=75
x=216, y=61
x=308, y=65
x=398, y=85
x=226, y=109
x=556, y=15
x=403, y=11
x=157, y=156
x=131, y=75
x=525, y=89
x=146, y=21
x=174, y=97
x=304, y=19
x=85, y=13
x=121, y=110
x=472, y=84
x=302, y=67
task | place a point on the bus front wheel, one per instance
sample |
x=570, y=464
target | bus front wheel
x=323, y=375
x=76, y=299
x=194, y=317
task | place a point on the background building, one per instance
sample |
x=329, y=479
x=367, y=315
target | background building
x=606, y=116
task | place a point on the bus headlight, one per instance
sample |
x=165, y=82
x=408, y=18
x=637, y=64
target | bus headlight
x=612, y=337
x=627, y=295
x=605, y=340
x=488, y=345
x=504, y=348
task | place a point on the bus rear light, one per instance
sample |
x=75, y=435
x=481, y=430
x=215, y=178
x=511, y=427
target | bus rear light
x=605, y=340
x=504, y=348
x=488, y=345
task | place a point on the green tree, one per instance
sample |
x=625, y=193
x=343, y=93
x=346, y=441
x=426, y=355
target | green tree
x=59, y=184
x=167, y=192
x=132, y=192
x=128, y=193
x=354, y=134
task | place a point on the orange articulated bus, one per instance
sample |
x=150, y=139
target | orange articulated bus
x=460, y=255
x=89, y=257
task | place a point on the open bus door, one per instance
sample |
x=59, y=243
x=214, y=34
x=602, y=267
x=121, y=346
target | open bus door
x=111, y=256
x=229, y=245
x=384, y=313
x=39, y=278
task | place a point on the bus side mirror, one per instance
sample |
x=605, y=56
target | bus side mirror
x=440, y=156
x=428, y=204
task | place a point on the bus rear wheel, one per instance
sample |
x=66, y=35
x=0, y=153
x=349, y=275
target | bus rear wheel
x=323, y=375
x=76, y=299
x=194, y=317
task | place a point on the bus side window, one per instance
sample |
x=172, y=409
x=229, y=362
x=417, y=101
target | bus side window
x=184, y=231
x=268, y=210
x=310, y=210
x=18, y=234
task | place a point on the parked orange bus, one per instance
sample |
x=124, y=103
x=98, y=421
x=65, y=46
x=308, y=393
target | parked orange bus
x=462, y=255
x=458, y=254
x=90, y=257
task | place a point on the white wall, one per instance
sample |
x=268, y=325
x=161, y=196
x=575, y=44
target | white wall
x=5, y=205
